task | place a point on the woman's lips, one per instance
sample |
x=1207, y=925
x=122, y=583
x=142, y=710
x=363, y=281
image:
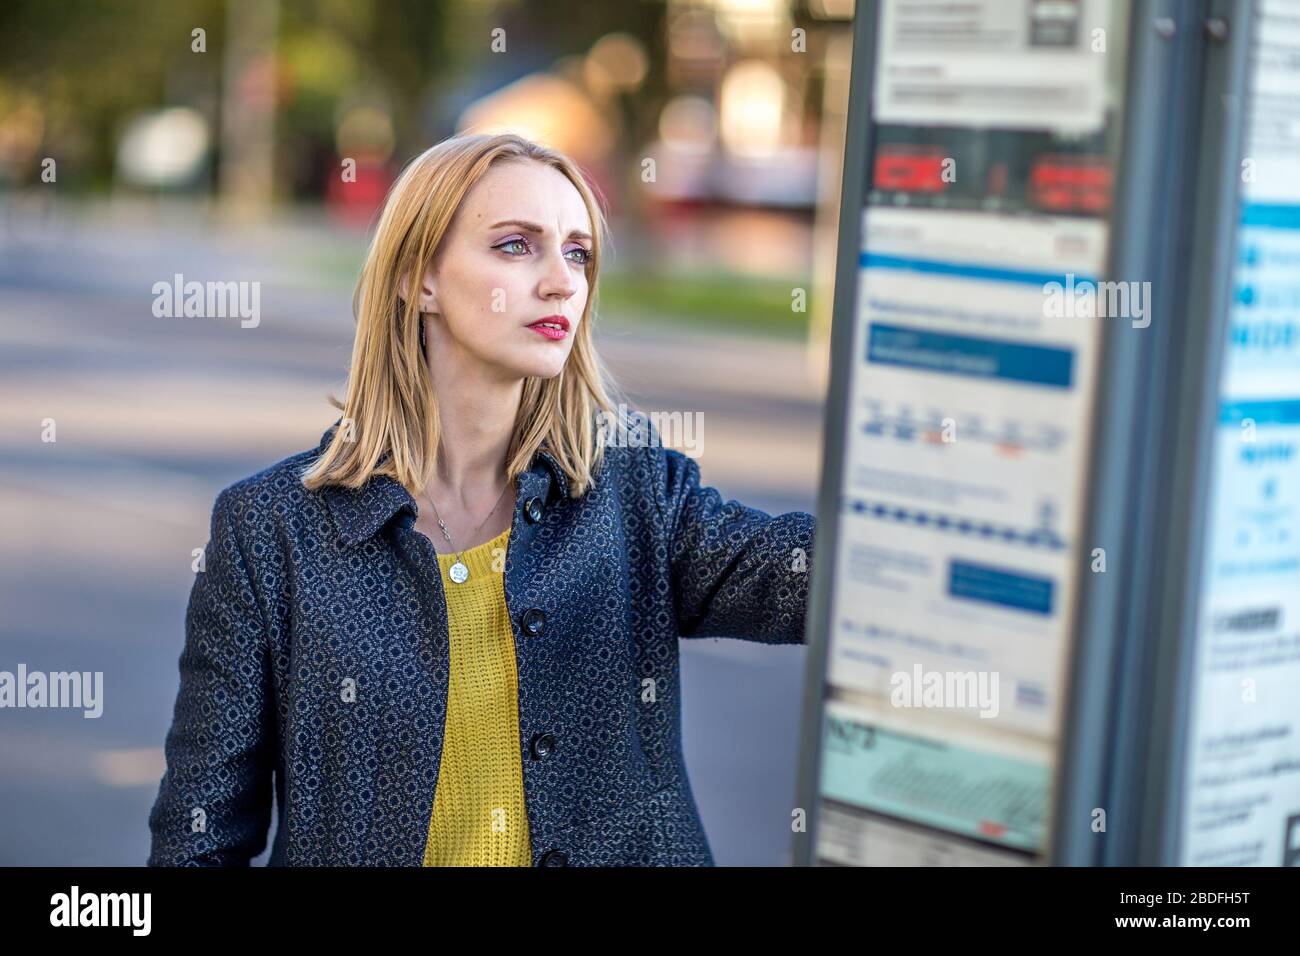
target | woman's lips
x=550, y=333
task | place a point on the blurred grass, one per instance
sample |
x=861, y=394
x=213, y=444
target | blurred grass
x=726, y=302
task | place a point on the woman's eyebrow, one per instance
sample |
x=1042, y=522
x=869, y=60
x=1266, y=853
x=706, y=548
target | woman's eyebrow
x=538, y=229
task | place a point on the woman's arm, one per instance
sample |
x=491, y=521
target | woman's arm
x=737, y=571
x=214, y=802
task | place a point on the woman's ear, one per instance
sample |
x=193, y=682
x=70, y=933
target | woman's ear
x=427, y=298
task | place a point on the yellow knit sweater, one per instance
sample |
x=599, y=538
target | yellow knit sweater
x=478, y=816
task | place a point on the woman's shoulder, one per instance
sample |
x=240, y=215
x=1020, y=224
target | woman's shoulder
x=273, y=490
x=632, y=446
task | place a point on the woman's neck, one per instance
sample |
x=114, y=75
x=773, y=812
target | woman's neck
x=478, y=420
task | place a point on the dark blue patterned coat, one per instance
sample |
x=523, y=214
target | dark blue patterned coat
x=303, y=591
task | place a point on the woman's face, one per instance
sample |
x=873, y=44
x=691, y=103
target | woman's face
x=514, y=256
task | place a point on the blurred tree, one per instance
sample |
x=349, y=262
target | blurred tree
x=90, y=65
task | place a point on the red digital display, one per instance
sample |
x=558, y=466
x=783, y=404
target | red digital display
x=1070, y=184
x=909, y=170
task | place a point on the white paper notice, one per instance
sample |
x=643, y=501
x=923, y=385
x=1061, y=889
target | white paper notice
x=1017, y=64
x=961, y=497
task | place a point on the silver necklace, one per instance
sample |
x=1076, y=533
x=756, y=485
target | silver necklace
x=459, y=573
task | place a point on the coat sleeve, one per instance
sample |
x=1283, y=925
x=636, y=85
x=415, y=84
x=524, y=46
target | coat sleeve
x=736, y=571
x=214, y=803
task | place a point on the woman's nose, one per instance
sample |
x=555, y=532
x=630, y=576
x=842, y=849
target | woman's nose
x=559, y=277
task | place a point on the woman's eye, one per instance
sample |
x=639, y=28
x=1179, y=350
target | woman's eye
x=509, y=246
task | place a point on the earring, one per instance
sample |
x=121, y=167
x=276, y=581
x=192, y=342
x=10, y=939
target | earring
x=421, y=331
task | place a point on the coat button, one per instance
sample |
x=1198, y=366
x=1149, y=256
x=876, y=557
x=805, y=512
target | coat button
x=534, y=620
x=553, y=858
x=542, y=745
x=533, y=510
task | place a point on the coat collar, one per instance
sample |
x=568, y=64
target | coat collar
x=360, y=512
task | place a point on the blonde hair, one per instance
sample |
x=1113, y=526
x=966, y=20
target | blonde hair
x=391, y=406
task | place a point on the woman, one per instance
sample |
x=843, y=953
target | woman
x=492, y=679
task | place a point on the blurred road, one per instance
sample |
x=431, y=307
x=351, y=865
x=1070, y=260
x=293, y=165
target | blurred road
x=155, y=415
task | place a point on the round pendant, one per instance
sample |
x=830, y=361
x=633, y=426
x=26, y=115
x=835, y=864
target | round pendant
x=459, y=573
